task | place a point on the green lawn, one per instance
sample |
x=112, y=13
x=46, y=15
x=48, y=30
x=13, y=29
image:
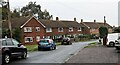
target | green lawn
x=31, y=48
x=91, y=45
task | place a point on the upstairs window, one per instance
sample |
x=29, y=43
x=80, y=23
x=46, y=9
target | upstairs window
x=27, y=29
x=37, y=29
x=79, y=29
x=60, y=29
x=70, y=29
x=48, y=29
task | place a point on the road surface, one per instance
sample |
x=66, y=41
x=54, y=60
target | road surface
x=60, y=55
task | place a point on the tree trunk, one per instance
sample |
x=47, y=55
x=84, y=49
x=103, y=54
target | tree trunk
x=105, y=40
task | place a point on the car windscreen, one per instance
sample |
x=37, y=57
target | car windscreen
x=118, y=38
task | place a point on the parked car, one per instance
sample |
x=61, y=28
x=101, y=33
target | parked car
x=111, y=39
x=117, y=44
x=46, y=44
x=118, y=40
x=12, y=49
x=66, y=40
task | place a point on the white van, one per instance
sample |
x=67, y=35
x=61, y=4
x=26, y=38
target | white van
x=111, y=39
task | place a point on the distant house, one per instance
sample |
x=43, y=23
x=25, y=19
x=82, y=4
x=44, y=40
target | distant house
x=93, y=27
x=33, y=29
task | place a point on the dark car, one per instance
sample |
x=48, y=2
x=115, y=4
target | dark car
x=12, y=49
x=66, y=40
x=46, y=44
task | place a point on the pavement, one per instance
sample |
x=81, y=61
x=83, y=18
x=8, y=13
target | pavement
x=96, y=55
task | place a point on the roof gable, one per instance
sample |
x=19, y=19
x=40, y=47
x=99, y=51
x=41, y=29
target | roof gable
x=29, y=21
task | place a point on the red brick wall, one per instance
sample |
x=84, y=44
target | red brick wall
x=95, y=31
x=65, y=31
x=86, y=31
x=32, y=23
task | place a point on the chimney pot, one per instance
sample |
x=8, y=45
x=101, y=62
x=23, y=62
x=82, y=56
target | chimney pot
x=74, y=19
x=57, y=18
x=94, y=21
x=81, y=20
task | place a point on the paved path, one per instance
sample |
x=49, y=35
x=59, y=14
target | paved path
x=97, y=54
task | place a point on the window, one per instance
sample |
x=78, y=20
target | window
x=27, y=29
x=60, y=29
x=37, y=29
x=37, y=38
x=47, y=37
x=79, y=29
x=4, y=43
x=9, y=42
x=48, y=29
x=28, y=39
x=70, y=29
x=15, y=42
x=93, y=29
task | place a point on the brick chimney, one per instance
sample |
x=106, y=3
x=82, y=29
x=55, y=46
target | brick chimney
x=81, y=20
x=74, y=19
x=57, y=19
x=94, y=21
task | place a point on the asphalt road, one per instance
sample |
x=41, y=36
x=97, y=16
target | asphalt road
x=60, y=55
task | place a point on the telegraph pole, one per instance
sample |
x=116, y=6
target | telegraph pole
x=9, y=17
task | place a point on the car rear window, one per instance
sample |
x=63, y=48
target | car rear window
x=43, y=41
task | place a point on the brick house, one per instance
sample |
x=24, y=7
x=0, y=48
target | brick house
x=33, y=30
x=93, y=27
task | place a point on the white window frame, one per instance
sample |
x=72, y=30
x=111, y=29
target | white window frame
x=26, y=41
x=47, y=37
x=60, y=30
x=93, y=29
x=48, y=29
x=79, y=29
x=27, y=29
x=70, y=29
x=37, y=29
x=37, y=38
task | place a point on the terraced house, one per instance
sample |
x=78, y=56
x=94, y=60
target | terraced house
x=92, y=28
x=33, y=30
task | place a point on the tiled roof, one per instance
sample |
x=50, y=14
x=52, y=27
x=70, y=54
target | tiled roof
x=95, y=24
x=71, y=24
x=55, y=23
x=15, y=22
x=52, y=23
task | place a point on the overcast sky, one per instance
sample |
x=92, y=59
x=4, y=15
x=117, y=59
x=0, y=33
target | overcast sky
x=88, y=10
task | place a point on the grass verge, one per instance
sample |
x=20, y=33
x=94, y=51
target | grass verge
x=32, y=48
x=93, y=44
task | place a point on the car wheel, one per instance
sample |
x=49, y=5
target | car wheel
x=39, y=49
x=24, y=55
x=6, y=58
x=54, y=47
x=111, y=44
x=69, y=43
x=62, y=43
